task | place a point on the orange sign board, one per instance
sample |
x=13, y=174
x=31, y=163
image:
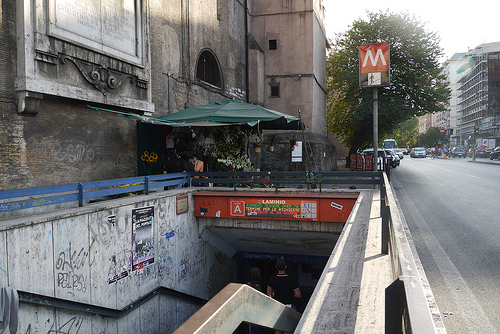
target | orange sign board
x=374, y=64
x=309, y=207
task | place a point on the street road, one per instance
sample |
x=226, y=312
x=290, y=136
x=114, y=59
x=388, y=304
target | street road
x=452, y=207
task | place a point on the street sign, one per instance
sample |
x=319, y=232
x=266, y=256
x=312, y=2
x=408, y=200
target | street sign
x=374, y=65
x=441, y=130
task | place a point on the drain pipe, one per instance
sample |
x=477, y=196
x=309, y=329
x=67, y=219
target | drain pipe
x=247, y=79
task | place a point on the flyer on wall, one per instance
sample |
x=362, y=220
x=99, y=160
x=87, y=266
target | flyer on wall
x=142, y=237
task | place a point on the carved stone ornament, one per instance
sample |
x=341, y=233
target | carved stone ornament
x=101, y=77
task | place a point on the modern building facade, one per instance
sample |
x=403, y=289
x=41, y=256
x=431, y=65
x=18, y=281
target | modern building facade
x=479, y=87
x=451, y=67
x=473, y=117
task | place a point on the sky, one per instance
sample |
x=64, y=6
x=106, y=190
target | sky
x=462, y=25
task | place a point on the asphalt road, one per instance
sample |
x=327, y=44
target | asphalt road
x=452, y=207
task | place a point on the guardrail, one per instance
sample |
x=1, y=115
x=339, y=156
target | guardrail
x=19, y=199
x=87, y=192
x=407, y=309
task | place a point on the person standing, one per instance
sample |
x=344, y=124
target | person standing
x=198, y=164
x=174, y=165
x=283, y=288
x=255, y=282
x=198, y=167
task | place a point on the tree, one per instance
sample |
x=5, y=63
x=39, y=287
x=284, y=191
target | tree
x=418, y=85
x=431, y=137
x=405, y=133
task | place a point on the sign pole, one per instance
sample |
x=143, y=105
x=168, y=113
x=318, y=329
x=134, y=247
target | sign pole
x=374, y=72
x=375, y=129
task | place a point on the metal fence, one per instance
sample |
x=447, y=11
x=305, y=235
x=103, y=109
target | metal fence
x=79, y=194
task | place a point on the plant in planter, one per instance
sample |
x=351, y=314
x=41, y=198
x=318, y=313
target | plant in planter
x=272, y=139
x=257, y=146
x=293, y=143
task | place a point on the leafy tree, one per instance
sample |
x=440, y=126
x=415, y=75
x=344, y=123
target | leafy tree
x=431, y=137
x=418, y=85
x=405, y=133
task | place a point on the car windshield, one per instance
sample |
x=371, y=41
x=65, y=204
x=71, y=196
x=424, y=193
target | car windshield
x=419, y=149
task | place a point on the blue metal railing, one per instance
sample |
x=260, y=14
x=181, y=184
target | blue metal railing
x=81, y=193
x=11, y=200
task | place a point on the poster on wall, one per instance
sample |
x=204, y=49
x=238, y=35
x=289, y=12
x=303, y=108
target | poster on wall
x=121, y=267
x=142, y=237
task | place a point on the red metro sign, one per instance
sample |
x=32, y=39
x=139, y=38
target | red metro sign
x=374, y=65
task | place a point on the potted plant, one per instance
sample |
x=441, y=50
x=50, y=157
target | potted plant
x=293, y=143
x=271, y=143
x=256, y=147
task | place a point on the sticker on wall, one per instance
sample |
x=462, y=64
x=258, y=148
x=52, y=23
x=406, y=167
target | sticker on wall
x=142, y=237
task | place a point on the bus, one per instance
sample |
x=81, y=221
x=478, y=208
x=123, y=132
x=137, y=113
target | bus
x=389, y=144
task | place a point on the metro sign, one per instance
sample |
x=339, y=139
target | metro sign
x=374, y=65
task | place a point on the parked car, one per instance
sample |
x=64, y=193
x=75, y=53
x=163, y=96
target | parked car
x=395, y=157
x=481, y=152
x=459, y=152
x=418, y=152
x=495, y=154
x=399, y=152
x=382, y=154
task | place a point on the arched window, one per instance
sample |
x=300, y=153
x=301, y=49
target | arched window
x=207, y=69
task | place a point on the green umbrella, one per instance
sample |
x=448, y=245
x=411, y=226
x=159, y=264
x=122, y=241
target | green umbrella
x=231, y=112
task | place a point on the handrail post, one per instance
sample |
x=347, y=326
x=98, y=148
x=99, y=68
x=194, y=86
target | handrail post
x=320, y=177
x=383, y=193
x=80, y=194
x=146, y=185
x=386, y=216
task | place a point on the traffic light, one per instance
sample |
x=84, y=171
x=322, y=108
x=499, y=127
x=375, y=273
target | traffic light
x=476, y=130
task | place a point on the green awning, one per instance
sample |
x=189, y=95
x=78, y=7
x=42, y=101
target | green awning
x=231, y=112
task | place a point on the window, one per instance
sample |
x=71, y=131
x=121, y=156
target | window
x=275, y=90
x=273, y=44
x=207, y=69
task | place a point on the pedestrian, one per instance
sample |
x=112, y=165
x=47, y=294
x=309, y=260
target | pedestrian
x=283, y=288
x=198, y=164
x=256, y=283
x=174, y=165
x=255, y=279
x=198, y=167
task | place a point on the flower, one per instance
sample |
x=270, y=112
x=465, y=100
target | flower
x=149, y=157
x=238, y=162
x=256, y=144
x=293, y=142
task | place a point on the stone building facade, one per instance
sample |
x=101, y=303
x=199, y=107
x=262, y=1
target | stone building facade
x=77, y=76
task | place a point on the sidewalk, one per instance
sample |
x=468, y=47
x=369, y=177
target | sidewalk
x=485, y=161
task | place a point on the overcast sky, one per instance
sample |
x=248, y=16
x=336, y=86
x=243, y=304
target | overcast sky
x=461, y=25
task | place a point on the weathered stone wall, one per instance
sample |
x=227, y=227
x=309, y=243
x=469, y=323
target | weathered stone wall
x=325, y=156
x=65, y=143
x=180, y=31
x=87, y=255
x=62, y=141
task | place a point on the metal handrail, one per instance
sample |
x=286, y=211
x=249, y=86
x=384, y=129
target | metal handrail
x=86, y=192
x=407, y=309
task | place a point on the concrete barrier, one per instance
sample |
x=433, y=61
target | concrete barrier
x=110, y=257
